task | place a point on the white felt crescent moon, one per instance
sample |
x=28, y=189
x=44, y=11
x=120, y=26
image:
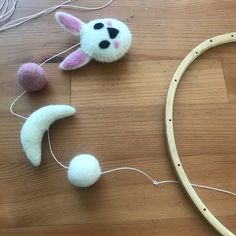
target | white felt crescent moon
x=36, y=125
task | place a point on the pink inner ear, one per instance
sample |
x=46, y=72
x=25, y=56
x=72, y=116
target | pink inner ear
x=70, y=22
x=75, y=59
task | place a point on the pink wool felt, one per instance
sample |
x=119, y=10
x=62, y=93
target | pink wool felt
x=116, y=43
x=69, y=22
x=31, y=77
x=75, y=59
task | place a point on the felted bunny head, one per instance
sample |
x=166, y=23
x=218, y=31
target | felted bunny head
x=105, y=40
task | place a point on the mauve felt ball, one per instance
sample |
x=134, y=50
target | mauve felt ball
x=31, y=77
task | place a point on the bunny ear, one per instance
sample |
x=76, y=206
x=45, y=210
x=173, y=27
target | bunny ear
x=75, y=60
x=69, y=22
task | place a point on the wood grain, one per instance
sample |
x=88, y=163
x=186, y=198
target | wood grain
x=120, y=119
x=170, y=133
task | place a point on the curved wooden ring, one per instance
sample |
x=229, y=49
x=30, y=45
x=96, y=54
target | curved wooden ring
x=196, y=52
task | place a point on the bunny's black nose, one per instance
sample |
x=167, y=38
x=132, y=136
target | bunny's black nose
x=113, y=32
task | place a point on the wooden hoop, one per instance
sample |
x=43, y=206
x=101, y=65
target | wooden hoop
x=196, y=52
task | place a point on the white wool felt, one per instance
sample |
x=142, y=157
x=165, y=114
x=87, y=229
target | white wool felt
x=90, y=39
x=84, y=170
x=36, y=125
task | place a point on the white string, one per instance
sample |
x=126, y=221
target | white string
x=58, y=54
x=165, y=182
x=155, y=182
x=53, y=155
x=129, y=168
x=13, y=103
x=49, y=139
x=214, y=189
x=87, y=8
x=4, y=7
x=7, y=13
x=22, y=20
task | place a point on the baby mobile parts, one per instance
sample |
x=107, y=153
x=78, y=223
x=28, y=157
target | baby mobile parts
x=105, y=40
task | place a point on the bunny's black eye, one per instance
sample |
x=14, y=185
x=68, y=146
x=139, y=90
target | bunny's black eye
x=98, y=26
x=104, y=44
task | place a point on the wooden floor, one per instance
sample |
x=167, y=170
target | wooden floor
x=120, y=120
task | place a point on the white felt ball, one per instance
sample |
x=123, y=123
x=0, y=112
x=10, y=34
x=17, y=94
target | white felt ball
x=84, y=170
